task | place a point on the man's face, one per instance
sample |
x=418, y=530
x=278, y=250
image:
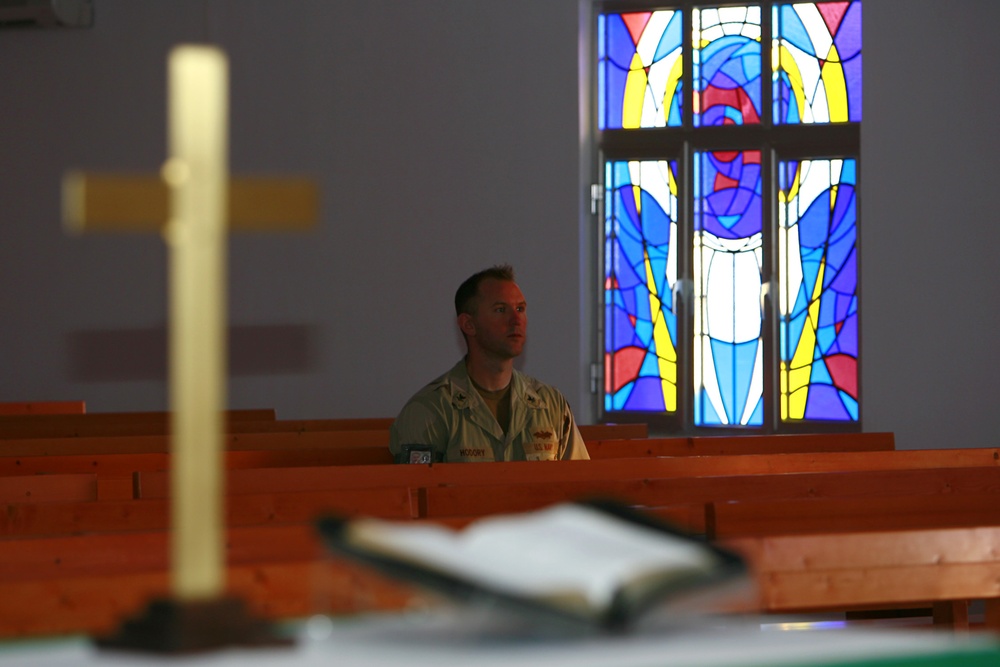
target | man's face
x=499, y=325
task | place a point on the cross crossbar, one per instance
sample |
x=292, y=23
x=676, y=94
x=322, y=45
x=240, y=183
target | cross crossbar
x=112, y=202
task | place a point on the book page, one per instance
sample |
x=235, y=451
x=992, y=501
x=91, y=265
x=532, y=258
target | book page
x=563, y=550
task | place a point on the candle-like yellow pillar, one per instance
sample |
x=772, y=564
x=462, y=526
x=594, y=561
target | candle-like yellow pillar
x=197, y=173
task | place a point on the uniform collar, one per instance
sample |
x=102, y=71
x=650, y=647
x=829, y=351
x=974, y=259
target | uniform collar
x=463, y=394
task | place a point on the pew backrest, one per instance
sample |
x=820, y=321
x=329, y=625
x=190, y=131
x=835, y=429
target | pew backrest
x=160, y=444
x=48, y=488
x=43, y=408
x=739, y=518
x=154, y=484
x=742, y=444
x=900, y=567
x=89, y=516
x=68, y=425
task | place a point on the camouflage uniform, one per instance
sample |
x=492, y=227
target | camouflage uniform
x=451, y=418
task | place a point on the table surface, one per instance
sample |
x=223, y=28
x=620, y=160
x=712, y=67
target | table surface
x=445, y=639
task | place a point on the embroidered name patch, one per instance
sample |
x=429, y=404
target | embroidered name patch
x=472, y=453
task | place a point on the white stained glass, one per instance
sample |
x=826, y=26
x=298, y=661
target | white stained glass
x=810, y=78
x=649, y=41
x=814, y=179
x=652, y=109
x=816, y=28
x=732, y=289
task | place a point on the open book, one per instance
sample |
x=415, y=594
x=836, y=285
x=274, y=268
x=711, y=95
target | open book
x=596, y=563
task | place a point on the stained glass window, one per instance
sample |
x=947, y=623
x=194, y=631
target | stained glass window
x=819, y=289
x=728, y=363
x=640, y=69
x=640, y=357
x=729, y=218
x=726, y=66
x=817, y=55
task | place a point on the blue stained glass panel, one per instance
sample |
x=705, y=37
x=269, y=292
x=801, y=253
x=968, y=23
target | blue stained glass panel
x=726, y=66
x=818, y=298
x=640, y=349
x=639, y=70
x=817, y=46
x=727, y=258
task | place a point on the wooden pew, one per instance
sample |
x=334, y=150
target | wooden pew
x=286, y=446
x=664, y=491
x=648, y=492
x=108, y=423
x=48, y=488
x=450, y=490
x=735, y=519
x=742, y=444
x=117, y=464
x=125, y=464
x=43, y=408
x=523, y=490
x=354, y=448
x=942, y=567
x=515, y=487
x=676, y=470
x=749, y=518
x=794, y=574
x=281, y=571
x=161, y=426
x=445, y=486
x=241, y=436
x=239, y=421
x=105, y=516
x=160, y=444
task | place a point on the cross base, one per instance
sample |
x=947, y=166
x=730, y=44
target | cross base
x=173, y=626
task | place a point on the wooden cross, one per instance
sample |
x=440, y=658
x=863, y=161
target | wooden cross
x=193, y=202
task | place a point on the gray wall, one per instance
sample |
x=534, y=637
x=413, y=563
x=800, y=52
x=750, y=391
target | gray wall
x=930, y=303
x=446, y=135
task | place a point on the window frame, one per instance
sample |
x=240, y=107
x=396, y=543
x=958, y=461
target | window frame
x=776, y=143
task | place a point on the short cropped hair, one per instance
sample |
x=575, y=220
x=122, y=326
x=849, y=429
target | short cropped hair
x=465, y=297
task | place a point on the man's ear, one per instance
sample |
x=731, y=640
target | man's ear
x=466, y=325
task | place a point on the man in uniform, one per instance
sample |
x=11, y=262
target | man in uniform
x=483, y=409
